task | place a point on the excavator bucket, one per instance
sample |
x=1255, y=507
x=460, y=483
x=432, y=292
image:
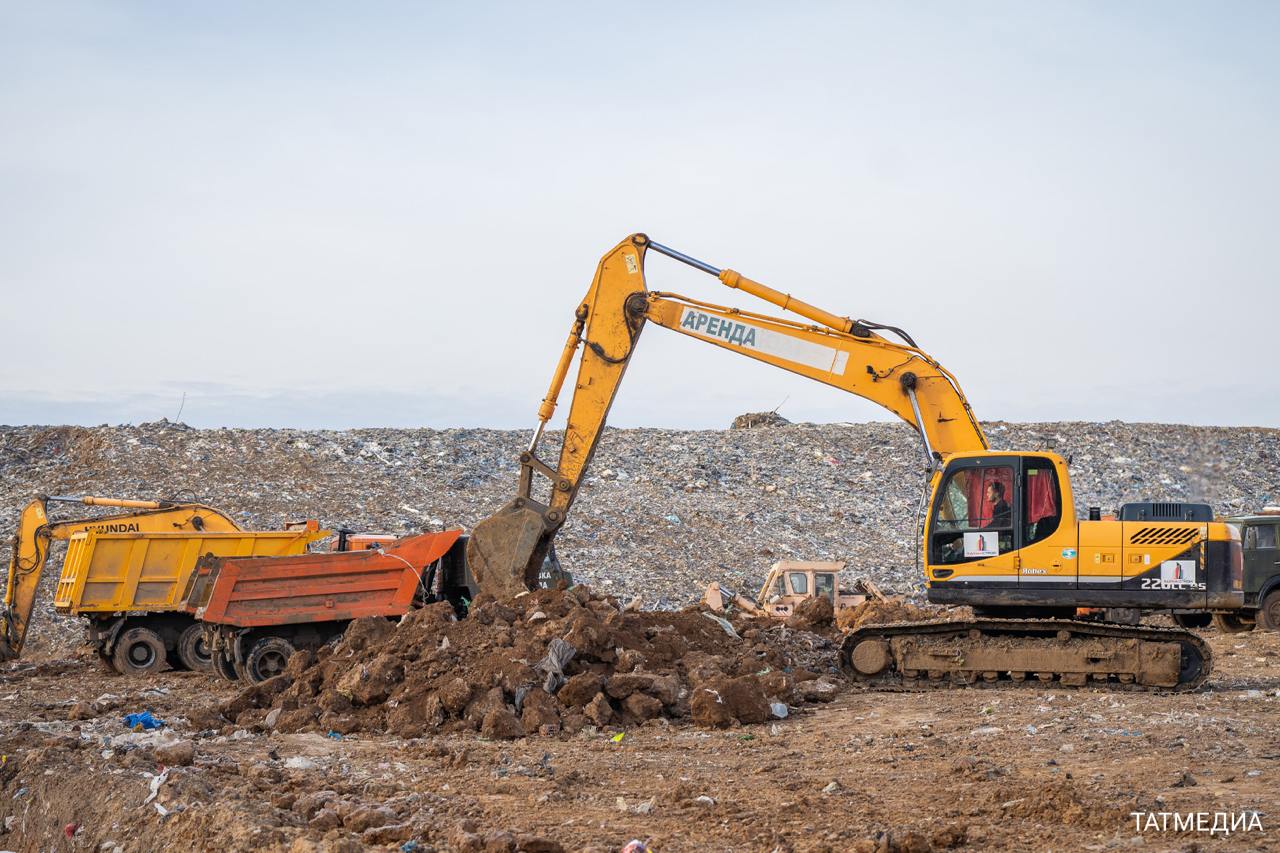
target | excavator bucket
x=506, y=550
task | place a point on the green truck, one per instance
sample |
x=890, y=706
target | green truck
x=1260, y=536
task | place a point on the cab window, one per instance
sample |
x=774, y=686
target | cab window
x=977, y=499
x=778, y=589
x=824, y=583
x=799, y=583
x=1042, y=499
x=974, y=516
x=1260, y=536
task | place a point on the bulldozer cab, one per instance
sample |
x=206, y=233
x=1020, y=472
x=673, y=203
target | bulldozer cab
x=792, y=581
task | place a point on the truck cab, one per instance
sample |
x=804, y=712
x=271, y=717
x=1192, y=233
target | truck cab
x=1260, y=538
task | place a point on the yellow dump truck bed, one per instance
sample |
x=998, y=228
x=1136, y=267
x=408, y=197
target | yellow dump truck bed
x=123, y=572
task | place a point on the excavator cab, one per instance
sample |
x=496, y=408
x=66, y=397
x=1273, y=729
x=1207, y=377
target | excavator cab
x=1002, y=535
x=986, y=509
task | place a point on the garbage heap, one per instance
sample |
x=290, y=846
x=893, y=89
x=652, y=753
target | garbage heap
x=549, y=662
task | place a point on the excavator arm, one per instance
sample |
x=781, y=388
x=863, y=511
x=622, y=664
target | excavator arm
x=29, y=547
x=506, y=550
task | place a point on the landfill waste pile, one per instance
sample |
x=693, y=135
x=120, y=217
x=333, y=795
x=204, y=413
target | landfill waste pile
x=661, y=512
x=548, y=662
x=756, y=420
x=603, y=716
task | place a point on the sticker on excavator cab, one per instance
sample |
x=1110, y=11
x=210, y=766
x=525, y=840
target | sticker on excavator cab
x=632, y=266
x=985, y=544
x=777, y=344
x=1068, y=553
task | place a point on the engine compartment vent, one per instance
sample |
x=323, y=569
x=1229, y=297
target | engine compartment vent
x=1166, y=511
x=1164, y=536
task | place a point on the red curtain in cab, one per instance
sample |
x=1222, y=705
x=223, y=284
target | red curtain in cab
x=976, y=493
x=1042, y=497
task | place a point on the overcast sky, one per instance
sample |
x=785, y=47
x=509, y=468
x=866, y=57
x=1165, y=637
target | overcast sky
x=329, y=214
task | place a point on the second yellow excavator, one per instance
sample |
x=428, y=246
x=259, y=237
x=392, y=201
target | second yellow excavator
x=125, y=573
x=1000, y=532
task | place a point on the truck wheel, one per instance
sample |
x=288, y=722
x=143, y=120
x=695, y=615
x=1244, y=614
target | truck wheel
x=1231, y=623
x=1269, y=612
x=225, y=667
x=1193, y=620
x=267, y=658
x=138, y=650
x=193, y=650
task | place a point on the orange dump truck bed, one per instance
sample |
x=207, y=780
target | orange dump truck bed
x=253, y=592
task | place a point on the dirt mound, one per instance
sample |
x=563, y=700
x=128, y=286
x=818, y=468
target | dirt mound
x=812, y=614
x=547, y=662
x=876, y=612
x=1059, y=801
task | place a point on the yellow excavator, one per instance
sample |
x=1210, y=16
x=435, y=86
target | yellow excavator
x=1000, y=532
x=36, y=532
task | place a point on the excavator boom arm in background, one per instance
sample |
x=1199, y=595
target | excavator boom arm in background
x=506, y=550
x=29, y=546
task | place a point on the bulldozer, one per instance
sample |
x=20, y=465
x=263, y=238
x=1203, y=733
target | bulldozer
x=999, y=531
x=790, y=582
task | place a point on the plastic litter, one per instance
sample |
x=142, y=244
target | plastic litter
x=143, y=721
x=723, y=623
x=156, y=782
x=335, y=735
x=635, y=845
x=618, y=737
x=559, y=653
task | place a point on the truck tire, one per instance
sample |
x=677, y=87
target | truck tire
x=138, y=650
x=1231, y=623
x=1193, y=621
x=267, y=658
x=225, y=667
x=1269, y=613
x=193, y=651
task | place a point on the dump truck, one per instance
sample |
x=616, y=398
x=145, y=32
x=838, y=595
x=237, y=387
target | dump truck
x=125, y=588
x=999, y=529
x=257, y=611
x=790, y=582
x=129, y=586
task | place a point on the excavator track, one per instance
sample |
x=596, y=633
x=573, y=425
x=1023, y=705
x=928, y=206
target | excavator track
x=1040, y=652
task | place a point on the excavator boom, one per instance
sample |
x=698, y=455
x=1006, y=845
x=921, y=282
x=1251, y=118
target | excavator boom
x=506, y=550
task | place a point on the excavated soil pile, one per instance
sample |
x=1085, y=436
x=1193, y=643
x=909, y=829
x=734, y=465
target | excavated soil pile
x=550, y=661
x=894, y=609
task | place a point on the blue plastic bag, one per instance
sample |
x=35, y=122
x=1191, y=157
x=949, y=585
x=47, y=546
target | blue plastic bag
x=145, y=720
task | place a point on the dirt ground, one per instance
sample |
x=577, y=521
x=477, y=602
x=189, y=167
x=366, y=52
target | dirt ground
x=1018, y=768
